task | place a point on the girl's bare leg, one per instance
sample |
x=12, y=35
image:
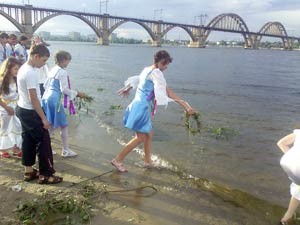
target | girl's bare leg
x=129, y=147
x=293, y=205
x=147, y=148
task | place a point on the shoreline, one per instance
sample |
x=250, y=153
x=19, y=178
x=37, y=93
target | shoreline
x=178, y=200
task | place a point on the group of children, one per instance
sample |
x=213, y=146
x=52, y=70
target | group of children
x=27, y=115
x=24, y=125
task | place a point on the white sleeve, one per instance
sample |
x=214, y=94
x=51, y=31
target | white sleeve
x=160, y=87
x=64, y=86
x=132, y=82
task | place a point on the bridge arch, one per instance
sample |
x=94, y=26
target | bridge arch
x=91, y=25
x=229, y=21
x=190, y=33
x=13, y=21
x=148, y=29
x=273, y=28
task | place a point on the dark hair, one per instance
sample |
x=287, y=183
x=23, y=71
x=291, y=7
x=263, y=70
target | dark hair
x=23, y=38
x=12, y=36
x=5, y=73
x=61, y=55
x=40, y=50
x=163, y=57
x=4, y=35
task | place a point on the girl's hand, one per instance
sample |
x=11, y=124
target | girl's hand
x=190, y=111
x=10, y=110
x=46, y=124
x=81, y=94
x=124, y=92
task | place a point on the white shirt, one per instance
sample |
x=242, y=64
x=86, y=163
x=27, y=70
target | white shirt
x=58, y=73
x=21, y=52
x=43, y=74
x=27, y=78
x=158, y=79
x=9, y=50
x=2, y=53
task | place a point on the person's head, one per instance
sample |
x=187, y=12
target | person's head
x=23, y=40
x=3, y=38
x=8, y=69
x=12, y=39
x=62, y=58
x=38, y=55
x=162, y=59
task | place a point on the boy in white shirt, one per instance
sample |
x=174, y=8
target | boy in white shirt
x=35, y=134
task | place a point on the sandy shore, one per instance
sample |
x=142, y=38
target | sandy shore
x=178, y=200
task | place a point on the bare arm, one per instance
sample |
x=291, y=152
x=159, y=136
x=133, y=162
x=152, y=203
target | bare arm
x=37, y=107
x=285, y=142
x=8, y=109
x=171, y=94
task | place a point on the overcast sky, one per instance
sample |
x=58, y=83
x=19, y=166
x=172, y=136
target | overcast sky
x=254, y=12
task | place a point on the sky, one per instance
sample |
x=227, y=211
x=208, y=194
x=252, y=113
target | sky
x=255, y=13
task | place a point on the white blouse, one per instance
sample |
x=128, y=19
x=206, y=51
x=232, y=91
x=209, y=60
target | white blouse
x=159, y=81
x=58, y=73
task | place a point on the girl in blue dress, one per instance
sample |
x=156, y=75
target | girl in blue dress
x=151, y=90
x=59, y=95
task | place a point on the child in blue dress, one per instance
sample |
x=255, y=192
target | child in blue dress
x=57, y=92
x=152, y=90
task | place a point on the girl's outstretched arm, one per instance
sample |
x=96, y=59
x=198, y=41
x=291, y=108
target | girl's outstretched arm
x=285, y=142
x=171, y=94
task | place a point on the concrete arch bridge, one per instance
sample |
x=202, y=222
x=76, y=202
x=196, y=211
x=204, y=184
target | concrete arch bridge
x=28, y=19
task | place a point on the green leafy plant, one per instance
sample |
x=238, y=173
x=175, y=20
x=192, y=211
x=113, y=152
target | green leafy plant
x=84, y=102
x=193, y=123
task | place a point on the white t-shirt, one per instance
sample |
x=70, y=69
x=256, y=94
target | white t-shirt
x=27, y=78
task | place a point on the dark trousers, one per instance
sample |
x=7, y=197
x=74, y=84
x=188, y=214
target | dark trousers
x=42, y=89
x=36, y=141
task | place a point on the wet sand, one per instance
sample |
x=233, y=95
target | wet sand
x=179, y=199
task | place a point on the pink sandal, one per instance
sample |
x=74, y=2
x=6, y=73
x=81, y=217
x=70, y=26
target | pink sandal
x=118, y=165
x=4, y=155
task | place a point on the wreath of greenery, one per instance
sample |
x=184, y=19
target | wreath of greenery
x=193, y=123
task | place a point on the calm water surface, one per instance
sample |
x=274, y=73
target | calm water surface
x=254, y=92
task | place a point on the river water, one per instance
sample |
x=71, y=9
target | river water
x=254, y=92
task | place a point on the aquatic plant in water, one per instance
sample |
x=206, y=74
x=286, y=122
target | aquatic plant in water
x=194, y=126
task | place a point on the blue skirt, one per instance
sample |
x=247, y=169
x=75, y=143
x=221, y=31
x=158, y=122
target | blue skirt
x=137, y=116
x=55, y=114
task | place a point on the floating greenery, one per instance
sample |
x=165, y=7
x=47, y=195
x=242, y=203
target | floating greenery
x=84, y=102
x=116, y=107
x=99, y=89
x=221, y=132
x=194, y=126
x=112, y=109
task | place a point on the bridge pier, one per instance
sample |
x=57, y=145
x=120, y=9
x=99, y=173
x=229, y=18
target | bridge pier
x=27, y=21
x=104, y=39
x=199, y=38
x=104, y=30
